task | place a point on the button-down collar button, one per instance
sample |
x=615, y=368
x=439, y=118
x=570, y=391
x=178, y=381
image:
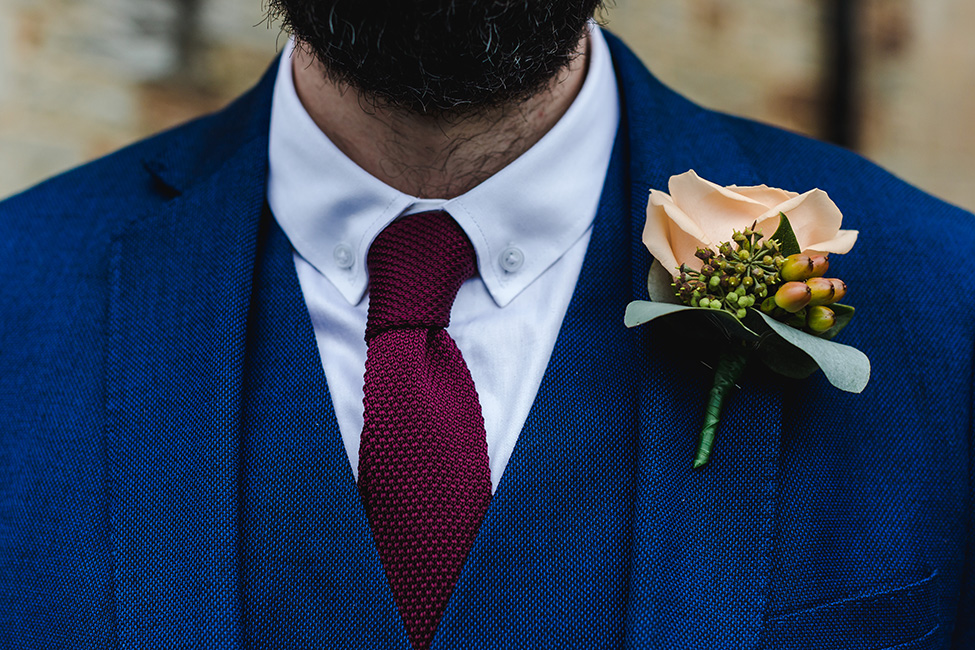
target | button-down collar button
x=512, y=259
x=344, y=257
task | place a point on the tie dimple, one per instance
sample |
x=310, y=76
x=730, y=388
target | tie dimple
x=423, y=465
x=416, y=267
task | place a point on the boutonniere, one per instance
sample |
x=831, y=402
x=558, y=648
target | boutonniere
x=754, y=262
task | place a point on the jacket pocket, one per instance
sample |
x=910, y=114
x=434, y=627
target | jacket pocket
x=905, y=618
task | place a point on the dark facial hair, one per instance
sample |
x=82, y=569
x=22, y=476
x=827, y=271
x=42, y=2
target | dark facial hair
x=440, y=57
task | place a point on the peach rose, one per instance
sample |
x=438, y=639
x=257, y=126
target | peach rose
x=698, y=214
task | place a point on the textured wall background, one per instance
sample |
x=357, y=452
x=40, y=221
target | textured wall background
x=79, y=78
x=913, y=67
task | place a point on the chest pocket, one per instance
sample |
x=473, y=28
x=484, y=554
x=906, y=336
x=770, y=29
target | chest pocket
x=905, y=618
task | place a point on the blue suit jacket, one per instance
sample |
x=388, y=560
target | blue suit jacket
x=824, y=520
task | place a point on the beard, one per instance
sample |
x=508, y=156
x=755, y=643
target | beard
x=440, y=57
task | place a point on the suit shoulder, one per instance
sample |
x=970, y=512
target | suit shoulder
x=870, y=197
x=901, y=227
x=87, y=201
x=121, y=181
x=734, y=150
x=90, y=203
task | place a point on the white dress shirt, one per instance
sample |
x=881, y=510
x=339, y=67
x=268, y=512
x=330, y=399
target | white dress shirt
x=530, y=224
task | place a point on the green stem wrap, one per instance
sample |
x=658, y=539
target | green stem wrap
x=730, y=366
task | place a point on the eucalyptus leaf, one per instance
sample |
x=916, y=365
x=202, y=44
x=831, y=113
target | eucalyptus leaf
x=733, y=328
x=788, y=244
x=660, y=284
x=783, y=358
x=846, y=368
x=639, y=312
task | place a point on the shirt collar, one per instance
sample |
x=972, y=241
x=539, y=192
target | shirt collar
x=521, y=220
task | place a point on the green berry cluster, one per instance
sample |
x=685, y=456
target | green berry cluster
x=741, y=274
x=750, y=271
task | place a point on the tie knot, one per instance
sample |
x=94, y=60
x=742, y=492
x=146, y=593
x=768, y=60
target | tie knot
x=416, y=266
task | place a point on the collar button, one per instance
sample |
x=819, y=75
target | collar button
x=512, y=259
x=344, y=257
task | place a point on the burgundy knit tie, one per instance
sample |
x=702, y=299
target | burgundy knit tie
x=423, y=464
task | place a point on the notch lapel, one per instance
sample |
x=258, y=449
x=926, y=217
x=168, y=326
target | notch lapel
x=181, y=285
x=702, y=539
x=310, y=569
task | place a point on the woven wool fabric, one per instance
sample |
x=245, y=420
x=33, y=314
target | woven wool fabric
x=310, y=576
x=423, y=463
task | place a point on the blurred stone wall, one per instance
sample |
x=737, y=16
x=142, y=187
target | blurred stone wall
x=760, y=58
x=79, y=78
x=914, y=76
x=918, y=85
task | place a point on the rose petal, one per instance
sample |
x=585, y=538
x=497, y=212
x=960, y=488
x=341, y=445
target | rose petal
x=677, y=214
x=684, y=246
x=842, y=243
x=656, y=233
x=698, y=213
x=813, y=216
x=717, y=210
x=669, y=234
x=767, y=196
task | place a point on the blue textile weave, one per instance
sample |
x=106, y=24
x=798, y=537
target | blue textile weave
x=171, y=474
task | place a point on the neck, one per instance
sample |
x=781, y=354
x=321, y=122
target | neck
x=425, y=156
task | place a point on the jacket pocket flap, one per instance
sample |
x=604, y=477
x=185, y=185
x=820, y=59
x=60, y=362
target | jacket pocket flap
x=869, y=622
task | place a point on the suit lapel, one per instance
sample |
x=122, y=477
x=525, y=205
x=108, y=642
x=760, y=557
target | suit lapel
x=181, y=285
x=701, y=539
x=310, y=569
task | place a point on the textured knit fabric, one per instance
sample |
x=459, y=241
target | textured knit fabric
x=423, y=463
x=824, y=520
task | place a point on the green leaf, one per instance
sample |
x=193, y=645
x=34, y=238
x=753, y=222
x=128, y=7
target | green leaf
x=785, y=350
x=733, y=328
x=785, y=359
x=781, y=357
x=846, y=368
x=784, y=234
x=639, y=312
x=660, y=284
